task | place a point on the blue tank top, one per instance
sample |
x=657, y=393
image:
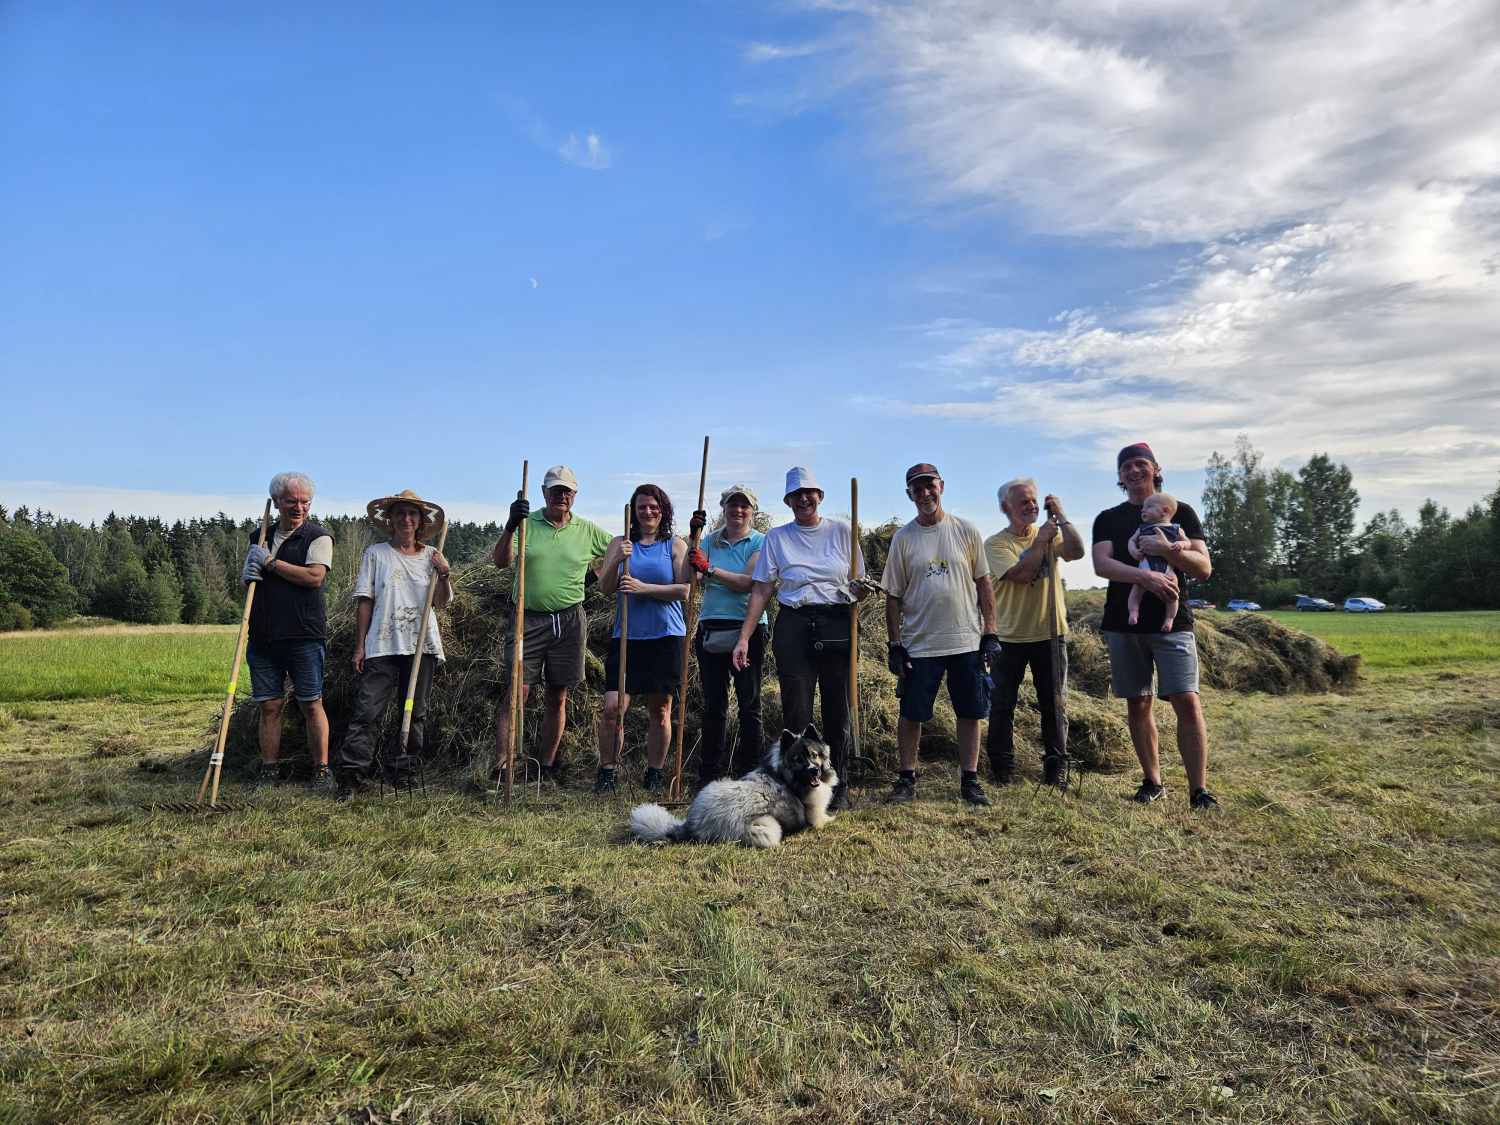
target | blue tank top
x=651, y=619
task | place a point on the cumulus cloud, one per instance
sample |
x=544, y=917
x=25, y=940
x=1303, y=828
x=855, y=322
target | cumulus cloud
x=1333, y=169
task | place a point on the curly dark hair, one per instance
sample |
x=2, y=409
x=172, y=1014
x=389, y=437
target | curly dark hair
x=654, y=491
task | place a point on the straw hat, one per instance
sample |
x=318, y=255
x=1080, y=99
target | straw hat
x=380, y=518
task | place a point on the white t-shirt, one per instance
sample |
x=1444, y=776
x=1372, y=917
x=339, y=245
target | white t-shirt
x=811, y=563
x=397, y=584
x=932, y=570
x=319, y=551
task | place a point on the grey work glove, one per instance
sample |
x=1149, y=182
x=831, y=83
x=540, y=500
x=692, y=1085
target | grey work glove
x=255, y=560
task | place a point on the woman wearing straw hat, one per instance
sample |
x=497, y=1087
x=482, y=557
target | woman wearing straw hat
x=389, y=594
x=657, y=586
x=806, y=563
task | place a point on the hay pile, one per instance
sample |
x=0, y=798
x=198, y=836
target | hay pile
x=1248, y=654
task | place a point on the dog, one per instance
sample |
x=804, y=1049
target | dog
x=787, y=792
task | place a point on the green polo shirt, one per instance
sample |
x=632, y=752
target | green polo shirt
x=557, y=559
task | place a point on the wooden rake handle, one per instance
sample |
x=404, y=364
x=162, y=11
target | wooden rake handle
x=690, y=620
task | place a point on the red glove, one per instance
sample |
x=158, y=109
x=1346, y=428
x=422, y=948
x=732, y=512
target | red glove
x=698, y=560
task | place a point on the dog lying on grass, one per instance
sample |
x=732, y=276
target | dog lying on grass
x=787, y=792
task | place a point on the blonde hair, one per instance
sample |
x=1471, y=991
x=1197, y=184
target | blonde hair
x=1163, y=500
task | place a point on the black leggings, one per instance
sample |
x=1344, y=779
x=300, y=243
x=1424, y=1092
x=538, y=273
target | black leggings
x=715, y=675
x=811, y=645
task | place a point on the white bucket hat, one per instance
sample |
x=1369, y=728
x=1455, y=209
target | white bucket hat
x=798, y=478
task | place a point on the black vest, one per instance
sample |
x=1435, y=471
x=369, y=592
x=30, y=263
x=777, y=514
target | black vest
x=284, y=611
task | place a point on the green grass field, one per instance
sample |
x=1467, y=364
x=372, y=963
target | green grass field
x=139, y=664
x=1327, y=948
x=1390, y=641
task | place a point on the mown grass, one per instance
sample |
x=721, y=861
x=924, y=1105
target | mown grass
x=1328, y=948
x=1394, y=641
x=129, y=663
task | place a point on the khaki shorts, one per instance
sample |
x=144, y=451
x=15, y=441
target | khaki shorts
x=554, y=646
x=1132, y=656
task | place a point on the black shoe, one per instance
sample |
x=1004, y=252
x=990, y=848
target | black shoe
x=553, y=772
x=1055, y=771
x=604, y=781
x=840, y=800
x=1150, y=791
x=653, y=779
x=348, y=788
x=970, y=790
x=1003, y=768
x=904, y=791
x=269, y=773
x=1202, y=801
x=322, y=779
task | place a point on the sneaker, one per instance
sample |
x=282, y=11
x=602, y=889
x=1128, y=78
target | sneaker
x=840, y=801
x=269, y=773
x=1150, y=791
x=653, y=779
x=604, y=782
x=1202, y=801
x=322, y=779
x=970, y=790
x=904, y=791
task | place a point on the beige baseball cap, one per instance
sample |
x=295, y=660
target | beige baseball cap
x=740, y=490
x=560, y=475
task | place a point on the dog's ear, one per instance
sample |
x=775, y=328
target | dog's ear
x=811, y=732
x=788, y=739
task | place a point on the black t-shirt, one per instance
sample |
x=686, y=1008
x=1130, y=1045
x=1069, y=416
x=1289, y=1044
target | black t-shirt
x=1115, y=526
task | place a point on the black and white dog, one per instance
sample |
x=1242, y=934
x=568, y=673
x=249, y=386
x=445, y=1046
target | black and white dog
x=787, y=792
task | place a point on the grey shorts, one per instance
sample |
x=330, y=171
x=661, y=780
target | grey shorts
x=553, y=652
x=1132, y=656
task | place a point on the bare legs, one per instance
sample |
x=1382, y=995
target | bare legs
x=1192, y=737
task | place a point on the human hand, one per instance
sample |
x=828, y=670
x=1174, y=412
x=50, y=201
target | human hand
x=698, y=560
x=630, y=584
x=359, y=660
x=520, y=508
x=897, y=660
x=1161, y=583
x=440, y=564
x=989, y=648
x=1047, y=532
x=1154, y=545
x=627, y=548
x=255, y=560
x=739, y=659
x=862, y=588
x=698, y=522
x=1054, y=509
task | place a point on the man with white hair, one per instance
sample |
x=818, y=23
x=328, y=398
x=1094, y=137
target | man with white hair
x=1023, y=568
x=288, y=629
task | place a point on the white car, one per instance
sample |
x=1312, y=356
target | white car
x=1363, y=605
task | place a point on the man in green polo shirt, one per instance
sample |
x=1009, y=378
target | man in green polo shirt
x=560, y=548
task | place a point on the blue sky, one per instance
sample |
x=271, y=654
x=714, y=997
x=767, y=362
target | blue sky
x=398, y=249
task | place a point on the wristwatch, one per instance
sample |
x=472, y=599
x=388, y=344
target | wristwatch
x=709, y=573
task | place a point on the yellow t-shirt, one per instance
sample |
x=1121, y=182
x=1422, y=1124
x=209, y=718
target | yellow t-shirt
x=1021, y=611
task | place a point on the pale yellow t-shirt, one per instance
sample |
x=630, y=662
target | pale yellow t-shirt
x=1021, y=610
x=933, y=570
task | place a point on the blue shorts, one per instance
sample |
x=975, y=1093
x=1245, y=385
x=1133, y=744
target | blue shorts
x=271, y=662
x=968, y=686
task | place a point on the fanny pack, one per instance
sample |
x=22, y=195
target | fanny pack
x=718, y=639
x=828, y=624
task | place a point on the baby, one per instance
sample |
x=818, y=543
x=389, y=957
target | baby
x=1156, y=519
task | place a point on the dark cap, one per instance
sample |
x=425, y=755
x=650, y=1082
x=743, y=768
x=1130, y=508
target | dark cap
x=1131, y=452
x=917, y=472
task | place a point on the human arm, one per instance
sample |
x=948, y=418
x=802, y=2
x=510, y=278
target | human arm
x=986, y=592
x=760, y=597
x=675, y=591
x=443, y=570
x=1071, y=548
x=609, y=570
x=364, y=609
x=1137, y=552
x=1189, y=555
x=311, y=575
x=1029, y=565
x=504, y=553
x=1161, y=583
x=736, y=580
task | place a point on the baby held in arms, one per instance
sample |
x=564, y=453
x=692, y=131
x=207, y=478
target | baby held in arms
x=1156, y=523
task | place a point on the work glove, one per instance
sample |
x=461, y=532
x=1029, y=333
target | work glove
x=519, y=510
x=989, y=647
x=897, y=660
x=698, y=522
x=698, y=560
x=255, y=559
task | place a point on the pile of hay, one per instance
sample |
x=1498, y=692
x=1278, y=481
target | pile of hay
x=1249, y=654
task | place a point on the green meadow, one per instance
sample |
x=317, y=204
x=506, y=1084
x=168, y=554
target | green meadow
x=135, y=663
x=1325, y=948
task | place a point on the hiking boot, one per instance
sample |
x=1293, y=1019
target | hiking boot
x=348, y=788
x=268, y=774
x=604, y=781
x=653, y=779
x=970, y=790
x=840, y=800
x=553, y=772
x=322, y=780
x=1202, y=801
x=904, y=791
x=1003, y=766
x=1150, y=791
x=1055, y=771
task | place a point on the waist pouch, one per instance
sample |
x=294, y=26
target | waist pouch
x=718, y=638
x=827, y=625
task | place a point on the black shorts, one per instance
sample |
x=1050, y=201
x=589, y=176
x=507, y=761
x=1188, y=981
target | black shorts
x=654, y=666
x=968, y=686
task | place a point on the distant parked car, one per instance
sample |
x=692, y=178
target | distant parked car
x=1309, y=604
x=1242, y=604
x=1200, y=603
x=1363, y=605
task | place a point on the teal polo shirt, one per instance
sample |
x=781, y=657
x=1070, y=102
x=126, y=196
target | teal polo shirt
x=720, y=603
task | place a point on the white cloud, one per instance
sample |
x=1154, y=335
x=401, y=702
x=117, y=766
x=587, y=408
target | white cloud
x=773, y=52
x=588, y=153
x=1336, y=167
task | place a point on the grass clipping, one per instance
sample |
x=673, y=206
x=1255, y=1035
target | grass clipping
x=1249, y=654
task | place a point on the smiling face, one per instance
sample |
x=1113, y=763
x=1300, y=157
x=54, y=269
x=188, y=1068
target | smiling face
x=1138, y=475
x=805, y=761
x=405, y=520
x=559, y=503
x=647, y=514
x=292, y=506
x=1022, y=507
x=737, y=513
x=804, y=503
x=927, y=494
